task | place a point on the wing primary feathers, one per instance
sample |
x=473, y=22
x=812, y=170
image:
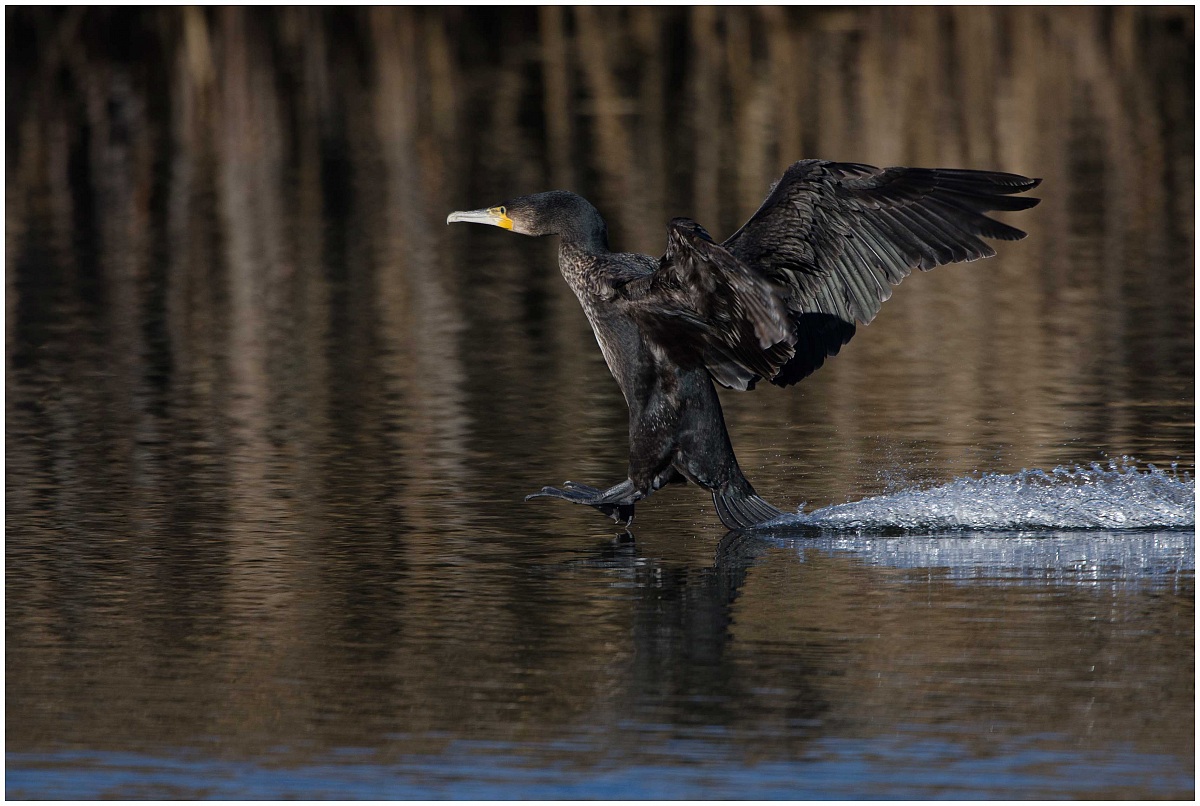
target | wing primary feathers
x=991, y=181
x=983, y=202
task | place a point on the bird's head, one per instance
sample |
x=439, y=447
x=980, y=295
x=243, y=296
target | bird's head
x=555, y=212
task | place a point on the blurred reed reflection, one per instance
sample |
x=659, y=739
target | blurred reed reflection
x=269, y=421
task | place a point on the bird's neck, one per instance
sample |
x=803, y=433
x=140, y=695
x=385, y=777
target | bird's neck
x=584, y=241
x=581, y=250
x=582, y=265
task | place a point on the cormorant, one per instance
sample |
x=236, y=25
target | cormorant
x=772, y=301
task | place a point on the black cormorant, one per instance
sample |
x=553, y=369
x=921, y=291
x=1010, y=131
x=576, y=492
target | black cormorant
x=772, y=301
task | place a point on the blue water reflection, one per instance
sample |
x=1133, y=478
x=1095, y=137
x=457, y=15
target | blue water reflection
x=904, y=767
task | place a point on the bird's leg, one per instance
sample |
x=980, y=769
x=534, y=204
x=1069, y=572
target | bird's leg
x=651, y=447
x=616, y=502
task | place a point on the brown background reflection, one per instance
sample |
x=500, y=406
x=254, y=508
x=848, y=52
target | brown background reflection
x=269, y=420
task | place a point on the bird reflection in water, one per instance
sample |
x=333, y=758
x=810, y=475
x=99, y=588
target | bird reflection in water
x=682, y=622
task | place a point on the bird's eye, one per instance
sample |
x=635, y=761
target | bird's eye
x=502, y=211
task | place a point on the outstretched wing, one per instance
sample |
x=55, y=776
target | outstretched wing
x=822, y=253
x=837, y=236
x=705, y=305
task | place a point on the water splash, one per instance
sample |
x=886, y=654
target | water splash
x=1119, y=497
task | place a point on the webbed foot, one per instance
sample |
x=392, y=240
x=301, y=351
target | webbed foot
x=614, y=502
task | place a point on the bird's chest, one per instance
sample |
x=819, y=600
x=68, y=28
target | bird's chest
x=629, y=356
x=620, y=343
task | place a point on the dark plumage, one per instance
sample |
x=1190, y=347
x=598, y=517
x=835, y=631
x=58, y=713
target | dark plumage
x=773, y=301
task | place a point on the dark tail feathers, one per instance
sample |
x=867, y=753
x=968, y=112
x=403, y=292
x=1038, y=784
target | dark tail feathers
x=740, y=509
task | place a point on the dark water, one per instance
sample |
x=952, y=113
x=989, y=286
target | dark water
x=269, y=421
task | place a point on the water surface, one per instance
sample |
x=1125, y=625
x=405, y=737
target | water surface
x=269, y=422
